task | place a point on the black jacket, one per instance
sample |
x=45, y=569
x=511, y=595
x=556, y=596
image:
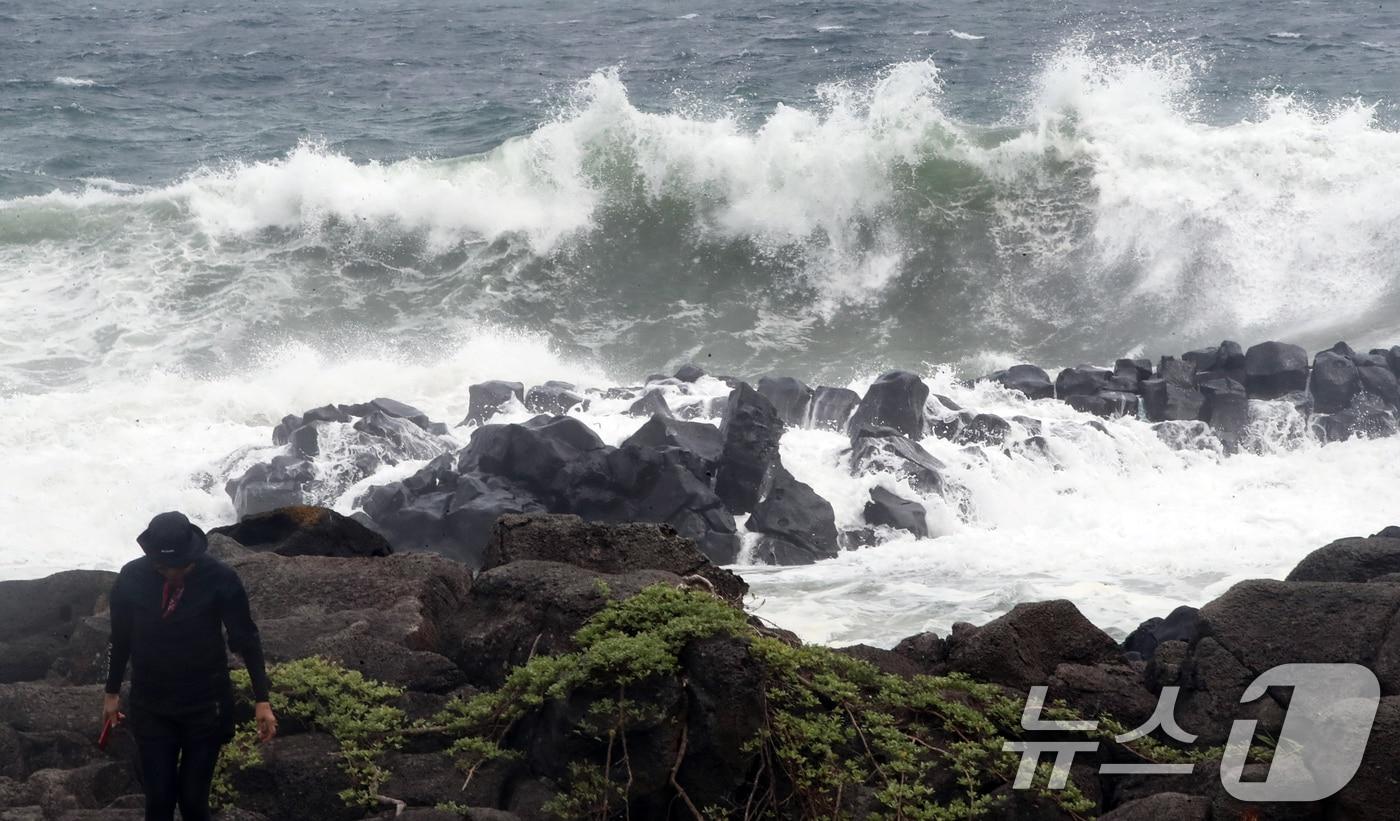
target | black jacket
x=182, y=661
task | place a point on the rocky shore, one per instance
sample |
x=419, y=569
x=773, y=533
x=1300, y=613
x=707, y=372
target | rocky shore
x=709, y=464
x=700, y=681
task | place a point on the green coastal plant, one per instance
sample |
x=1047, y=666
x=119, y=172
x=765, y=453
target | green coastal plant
x=835, y=729
x=835, y=732
x=323, y=695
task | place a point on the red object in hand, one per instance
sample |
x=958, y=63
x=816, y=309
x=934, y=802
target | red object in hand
x=106, y=735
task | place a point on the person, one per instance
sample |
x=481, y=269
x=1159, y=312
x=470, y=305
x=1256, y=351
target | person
x=170, y=609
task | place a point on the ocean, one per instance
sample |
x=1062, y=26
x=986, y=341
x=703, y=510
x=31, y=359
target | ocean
x=212, y=216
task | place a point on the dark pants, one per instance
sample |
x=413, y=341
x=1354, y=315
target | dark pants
x=179, y=750
x=177, y=772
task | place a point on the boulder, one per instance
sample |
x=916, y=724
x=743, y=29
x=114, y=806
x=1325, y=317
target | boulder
x=386, y=617
x=927, y=651
x=689, y=372
x=306, y=531
x=1367, y=416
x=832, y=407
x=486, y=399
x=790, y=397
x=533, y=455
x=559, y=465
x=1179, y=372
x=700, y=438
x=1024, y=647
x=389, y=407
x=554, y=398
x=799, y=524
x=527, y=608
x=886, y=508
x=606, y=548
x=1168, y=401
x=1108, y=404
x=407, y=441
x=751, y=431
x=1260, y=624
x=983, y=429
x=1334, y=383
x=1136, y=369
x=1392, y=357
x=1273, y=369
x=1028, y=379
x=1379, y=381
x=287, y=480
x=1226, y=409
x=303, y=779
x=1374, y=792
x=895, y=400
x=1205, y=359
x=321, y=457
x=39, y=616
x=882, y=449
x=1182, y=624
x=1082, y=380
x=1229, y=363
x=638, y=484
x=282, y=433
x=652, y=403
x=1350, y=560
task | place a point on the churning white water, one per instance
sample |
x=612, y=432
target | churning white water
x=1113, y=518
x=152, y=336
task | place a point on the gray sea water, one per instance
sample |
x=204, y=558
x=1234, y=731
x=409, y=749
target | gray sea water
x=212, y=215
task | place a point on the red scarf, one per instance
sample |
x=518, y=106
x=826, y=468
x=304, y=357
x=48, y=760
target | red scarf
x=170, y=597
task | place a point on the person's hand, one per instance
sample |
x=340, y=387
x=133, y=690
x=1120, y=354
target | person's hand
x=111, y=709
x=267, y=722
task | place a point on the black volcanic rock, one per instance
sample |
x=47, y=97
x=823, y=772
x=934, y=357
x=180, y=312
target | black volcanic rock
x=700, y=438
x=1350, y=560
x=1334, y=381
x=832, y=407
x=889, y=509
x=895, y=400
x=883, y=449
x=606, y=548
x=1164, y=400
x=533, y=456
x=1182, y=624
x=306, y=531
x=1082, y=380
x=1180, y=372
x=485, y=399
x=790, y=397
x=799, y=524
x=639, y=484
x=1024, y=647
x=751, y=431
x=1366, y=416
x=1108, y=404
x=1379, y=381
x=652, y=403
x=555, y=398
x=1273, y=369
x=983, y=429
x=1226, y=409
x=689, y=373
x=285, y=481
x=1028, y=379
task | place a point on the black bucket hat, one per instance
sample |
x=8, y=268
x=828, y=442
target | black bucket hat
x=171, y=539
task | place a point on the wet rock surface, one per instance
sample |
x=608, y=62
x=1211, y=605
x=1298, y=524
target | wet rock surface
x=423, y=623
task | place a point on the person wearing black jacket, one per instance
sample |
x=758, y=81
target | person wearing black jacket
x=170, y=609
